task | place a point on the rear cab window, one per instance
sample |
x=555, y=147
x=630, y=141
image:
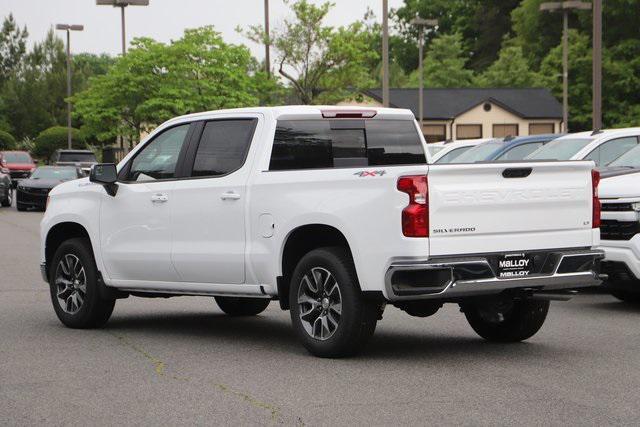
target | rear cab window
x=316, y=144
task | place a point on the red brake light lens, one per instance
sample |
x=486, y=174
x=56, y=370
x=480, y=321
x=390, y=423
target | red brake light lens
x=348, y=114
x=415, y=217
x=597, y=208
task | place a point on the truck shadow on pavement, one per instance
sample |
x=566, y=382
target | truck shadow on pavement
x=275, y=334
x=616, y=306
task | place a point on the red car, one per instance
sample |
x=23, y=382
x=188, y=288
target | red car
x=18, y=164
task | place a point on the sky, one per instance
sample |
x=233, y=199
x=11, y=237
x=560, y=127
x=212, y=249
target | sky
x=165, y=20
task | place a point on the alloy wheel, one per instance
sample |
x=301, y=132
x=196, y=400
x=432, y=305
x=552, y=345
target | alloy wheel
x=71, y=284
x=319, y=303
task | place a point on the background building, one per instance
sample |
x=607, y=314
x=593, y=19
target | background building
x=478, y=113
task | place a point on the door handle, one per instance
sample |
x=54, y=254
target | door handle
x=159, y=198
x=230, y=195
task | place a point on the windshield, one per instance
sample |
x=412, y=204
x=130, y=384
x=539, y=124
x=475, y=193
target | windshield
x=453, y=154
x=433, y=149
x=479, y=153
x=629, y=159
x=17, y=158
x=77, y=157
x=55, y=173
x=560, y=149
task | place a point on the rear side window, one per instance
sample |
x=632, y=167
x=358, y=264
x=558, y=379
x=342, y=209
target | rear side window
x=611, y=150
x=223, y=147
x=311, y=144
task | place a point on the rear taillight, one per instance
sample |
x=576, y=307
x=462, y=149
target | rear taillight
x=595, y=180
x=415, y=217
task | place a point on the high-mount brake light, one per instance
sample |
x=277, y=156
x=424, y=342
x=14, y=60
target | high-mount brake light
x=597, y=207
x=348, y=114
x=415, y=217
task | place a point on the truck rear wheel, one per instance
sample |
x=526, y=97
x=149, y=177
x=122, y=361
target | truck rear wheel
x=73, y=280
x=328, y=312
x=234, y=306
x=506, y=320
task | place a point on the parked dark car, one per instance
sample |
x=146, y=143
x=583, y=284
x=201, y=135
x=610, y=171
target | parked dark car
x=6, y=192
x=33, y=192
x=18, y=163
x=506, y=149
x=82, y=159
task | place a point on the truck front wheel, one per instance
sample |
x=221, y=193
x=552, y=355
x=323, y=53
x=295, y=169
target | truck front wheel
x=73, y=281
x=506, y=320
x=328, y=312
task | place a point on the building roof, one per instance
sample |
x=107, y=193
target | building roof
x=445, y=104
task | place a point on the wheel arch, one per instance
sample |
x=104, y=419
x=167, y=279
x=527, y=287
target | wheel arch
x=59, y=233
x=300, y=241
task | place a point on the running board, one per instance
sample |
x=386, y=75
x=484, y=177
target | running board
x=195, y=289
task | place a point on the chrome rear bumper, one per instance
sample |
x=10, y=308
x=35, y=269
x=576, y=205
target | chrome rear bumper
x=476, y=275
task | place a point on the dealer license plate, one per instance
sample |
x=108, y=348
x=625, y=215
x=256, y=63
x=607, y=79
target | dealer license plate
x=515, y=265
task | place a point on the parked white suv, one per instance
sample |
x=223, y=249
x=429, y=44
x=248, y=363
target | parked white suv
x=602, y=146
x=333, y=212
x=620, y=230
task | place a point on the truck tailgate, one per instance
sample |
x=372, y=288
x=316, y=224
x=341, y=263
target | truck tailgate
x=497, y=207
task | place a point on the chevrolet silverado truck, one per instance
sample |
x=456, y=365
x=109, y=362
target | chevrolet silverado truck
x=620, y=229
x=334, y=212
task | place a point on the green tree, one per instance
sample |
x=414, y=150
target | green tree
x=444, y=64
x=54, y=138
x=321, y=63
x=482, y=24
x=579, y=78
x=7, y=141
x=509, y=70
x=155, y=82
x=13, y=42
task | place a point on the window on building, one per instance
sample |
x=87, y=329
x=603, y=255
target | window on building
x=468, y=131
x=312, y=144
x=223, y=147
x=541, y=128
x=434, y=133
x=500, y=131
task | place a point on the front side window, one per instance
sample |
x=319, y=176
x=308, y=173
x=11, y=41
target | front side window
x=630, y=159
x=520, y=152
x=312, y=144
x=159, y=158
x=611, y=150
x=223, y=147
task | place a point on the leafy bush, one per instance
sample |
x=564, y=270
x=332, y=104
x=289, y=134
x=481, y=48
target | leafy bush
x=7, y=141
x=54, y=138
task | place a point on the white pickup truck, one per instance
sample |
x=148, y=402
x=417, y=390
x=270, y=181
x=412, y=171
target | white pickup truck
x=335, y=212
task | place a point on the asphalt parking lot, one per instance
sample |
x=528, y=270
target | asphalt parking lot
x=181, y=361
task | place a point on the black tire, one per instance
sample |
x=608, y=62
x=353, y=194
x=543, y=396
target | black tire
x=512, y=321
x=629, y=297
x=6, y=202
x=358, y=316
x=242, y=306
x=94, y=311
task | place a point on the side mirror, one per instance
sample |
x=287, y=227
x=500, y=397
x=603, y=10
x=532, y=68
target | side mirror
x=107, y=175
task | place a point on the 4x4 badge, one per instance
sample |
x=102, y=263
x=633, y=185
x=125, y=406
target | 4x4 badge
x=362, y=174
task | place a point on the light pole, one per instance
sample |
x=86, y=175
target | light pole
x=421, y=23
x=597, y=64
x=122, y=4
x=565, y=7
x=267, y=56
x=68, y=28
x=385, y=53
